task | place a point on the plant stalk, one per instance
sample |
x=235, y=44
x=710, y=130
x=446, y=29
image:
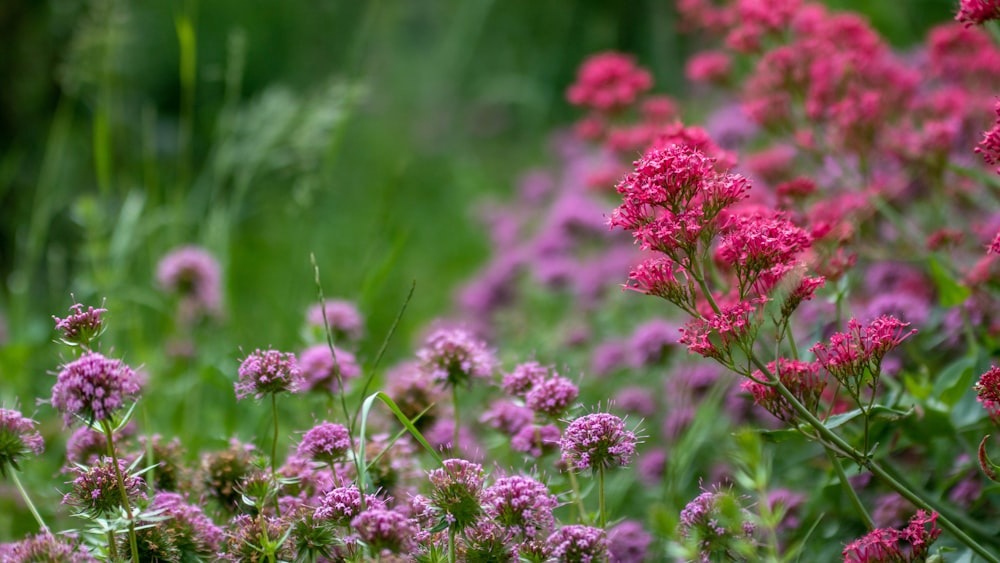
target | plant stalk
x=133, y=544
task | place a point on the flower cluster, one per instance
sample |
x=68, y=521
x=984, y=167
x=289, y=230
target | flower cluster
x=93, y=388
x=802, y=379
x=552, y=396
x=521, y=504
x=597, y=440
x=341, y=504
x=454, y=357
x=326, y=442
x=988, y=392
x=343, y=318
x=80, y=328
x=608, y=82
x=911, y=544
x=716, y=522
x=457, y=491
x=320, y=369
x=192, y=273
x=579, y=544
x=268, y=372
x=384, y=529
x=854, y=358
x=95, y=489
x=989, y=147
x=46, y=547
x=18, y=438
x=977, y=12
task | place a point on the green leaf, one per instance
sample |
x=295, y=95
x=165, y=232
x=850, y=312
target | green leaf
x=950, y=292
x=406, y=422
x=955, y=381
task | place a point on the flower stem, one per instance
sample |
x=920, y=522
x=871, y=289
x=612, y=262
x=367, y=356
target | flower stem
x=27, y=500
x=133, y=544
x=274, y=453
x=451, y=545
x=454, y=400
x=576, y=496
x=600, y=496
x=851, y=493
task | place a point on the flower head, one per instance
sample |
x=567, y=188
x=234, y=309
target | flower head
x=340, y=505
x=192, y=273
x=245, y=538
x=552, y=396
x=95, y=489
x=886, y=545
x=65, y=548
x=455, y=356
x=523, y=377
x=81, y=327
x=536, y=440
x=18, y=438
x=715, y=522
x=988, y=391
x=608, y=82
x=194, y=533
x=597, y=440
x=628, y=542
x=319, y=370
x=977, y=12
x=326, y=442
x=342, y=316
x=579, y=544
x=522, y=505
x=457, y=491
x=385, y=530
x=267, y=372
x=801, y=378
x=855, y=356
x=94, y=387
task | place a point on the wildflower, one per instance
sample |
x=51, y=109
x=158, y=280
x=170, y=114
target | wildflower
x=385, y=530
x=266, y=372
x=885, y=545
x=977, y=12
x=414, y=392
x=855, y=357
x=507, y=416
x=18, y=438
x=714, y=523
x=245, y=538
x=989, y=147
x=652, y=341
x=326, y=442
x=523, y=377
x=86, y=445
x=95, y=489
x=663, y=277
x=93, y=388
x=457, y=491
x=801, y=378
x=454, y=357
x=628, y=542
x=988, y=391
x=522, y=505
x=552, y=396
x=597, y=440
x=194, y=532
x=81, y=327
x=608, y=82
x=761, y=250
x=486, y=541
x=342, y=316
x=222, y=471
x=715, y=336
x=66, y=548
x=578, y=544
x=712, y=67
x=319, y=371
x=536, y=440
x=342, y=504
x=192, y=273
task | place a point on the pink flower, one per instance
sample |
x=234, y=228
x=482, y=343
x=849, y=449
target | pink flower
x=710, y=66
x=977, y=12
x=854, y=356
x=608, y=82
x=801, y=378
x=18, y=437
x=988, y=392
x=94, y=387
x=887, y=545
x=597, y=440
x=342, y=316
x=552, y=396
x=989, y=147
x=193, y=273
x=714, y=336
x=81, y=327
x=268, y=371
x=454, y=356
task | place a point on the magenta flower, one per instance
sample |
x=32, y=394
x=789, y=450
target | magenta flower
x=319, y=370
x=597, y=440
x=885, y=545
x=522, y=505
x=977, y=12
x=628, y=542
x=95, y=489
x=192, y=273
x=81, y=327
x=267, y=372
x=454, y=356
x=343, y=317
x=342, y=504
x=523, y=377
x=856, y=355
x=801, y=378
x=761, y=250
x=385, y=530
x=457, y=491
x=18, y=438
x=94, y=388
x=536, y=440
x=552, y=396
x=66, y=548
x=326, y=442
x=195, y=532
x=579, y=544
x=507, y=416
x=988, y=392
x=608, y=82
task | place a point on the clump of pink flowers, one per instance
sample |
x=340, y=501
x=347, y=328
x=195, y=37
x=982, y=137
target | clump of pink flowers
x=18, y=437
x=94, y=388
x=267, y=372
x=193, y=274
x=80, y=327
x=597, y=440
x=608, y=82
x=977, y=12
x=888, y=545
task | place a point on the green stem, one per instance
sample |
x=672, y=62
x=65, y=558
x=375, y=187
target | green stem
x=274, y=453
x=27, y=500
x=851, y=493
x=112, y=548
x=600, y=497
x=454, y=400
x=451, y=545
x=576, y=497
x=268, y=548
x=133, y=544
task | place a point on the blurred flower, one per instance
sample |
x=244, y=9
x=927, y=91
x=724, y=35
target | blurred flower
x=977, y=12
x=507, y=416
x=651, y=466
x=93, y=387
x=523, y=377
x=18, y=438
x=319, y=369
x=194, y=532
x=578, y=544
x=343, y=317
x=46, y=547
x=635, y=399
x=608, y=82
x=270, y=371
x=245, y=537
x=454, y=356
x=712, y=67
x=326, y=442
x=536, y=440
x=522, y=505
x=628, y=542
x=552, y=396
x=597, y=440
x=651, y=342
x=385, y=530
x=714, y=523
x=414, y=392
x=988, y=391
x=192, y=273
x=885, y=545
x=222, y=471
x=801, y=378
x=95, y=490
x=81, y=327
